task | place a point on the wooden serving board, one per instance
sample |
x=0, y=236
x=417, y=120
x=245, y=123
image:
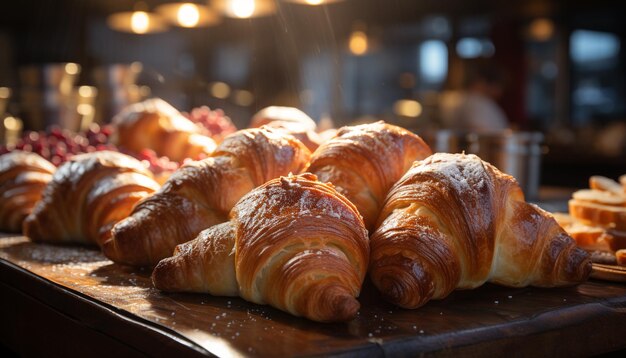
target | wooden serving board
x=584, y=320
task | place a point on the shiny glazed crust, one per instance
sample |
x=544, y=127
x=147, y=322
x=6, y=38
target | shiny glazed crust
x=156, y=125
x=23, y=177
x=364, y=161
x=289, y=120
x=86, y=196
x=293, y=243
x=200, y=194
x=456, y=222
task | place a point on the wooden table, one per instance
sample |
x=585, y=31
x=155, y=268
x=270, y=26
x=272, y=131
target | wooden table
x=73, y=301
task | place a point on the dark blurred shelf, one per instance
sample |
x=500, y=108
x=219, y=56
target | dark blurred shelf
x=572, y=166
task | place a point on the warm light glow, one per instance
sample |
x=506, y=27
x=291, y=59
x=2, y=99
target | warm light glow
x=314, y=2
x=407, y=108
x=71, y=68
x=137, y=22
x=358, y=43
x=188, y=15
x=219, y=90
x=242, y=8
x=5, y=92
x=243, y=98
x=140, y=22
x=87, y=91
x=85, y=109
x=541, y=29
x=12, y=123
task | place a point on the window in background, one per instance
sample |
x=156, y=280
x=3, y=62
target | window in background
x=597, y=77
x=543, y=73
x=473, y=47
x=433, y=63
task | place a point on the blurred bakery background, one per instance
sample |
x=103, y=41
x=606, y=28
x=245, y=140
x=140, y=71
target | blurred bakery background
x=537, y=87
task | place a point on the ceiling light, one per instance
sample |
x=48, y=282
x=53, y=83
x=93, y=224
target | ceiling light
x=186, y=14
x=244, y=9
x=314, y=2
x=137, y=22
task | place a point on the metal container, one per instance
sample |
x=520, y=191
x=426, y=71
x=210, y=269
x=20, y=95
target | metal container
x=48, y=95
x=5, y=96
x=117, y=89
x=52, y=76
x=515, y=153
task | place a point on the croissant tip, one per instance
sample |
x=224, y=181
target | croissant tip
x=341, y=305
x=347, y=308
x=162, y=275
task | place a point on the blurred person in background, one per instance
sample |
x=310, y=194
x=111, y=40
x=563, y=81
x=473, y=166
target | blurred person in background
x=474, y=108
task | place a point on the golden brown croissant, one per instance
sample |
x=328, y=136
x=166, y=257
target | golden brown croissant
x=454, y=221
x=23, y=177
x=290, y=120
x=364, y=161
x=156, y=125
x=293, y=243
x=201, y=194
x=87, y=196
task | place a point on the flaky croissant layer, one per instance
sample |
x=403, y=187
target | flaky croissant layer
x=200, y=194
x=23, y=177
x=156, y=125
x=456, y=222
x=293, y=243
x=364, y=161
x=87, y=196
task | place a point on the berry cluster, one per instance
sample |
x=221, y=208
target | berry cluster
x=58, y=145
x=156, y=164
x=215, y=122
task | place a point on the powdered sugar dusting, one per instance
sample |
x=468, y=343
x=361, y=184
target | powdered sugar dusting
x=289, y=196
x=465, y=173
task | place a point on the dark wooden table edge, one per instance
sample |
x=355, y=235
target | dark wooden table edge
x=562, y=324
x=528, y=337
x=111, y=321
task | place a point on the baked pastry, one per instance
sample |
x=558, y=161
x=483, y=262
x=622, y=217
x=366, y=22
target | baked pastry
x=620, y=256
x=364, y=161
x=597, y=219
x=293, y=243
x=602, y=183
x=595, y=214
x=200, y=194
x=456, y=222
x=23, y=177
x=87, y=196
x=156, y=125
x=290, y=120
x=590, y=238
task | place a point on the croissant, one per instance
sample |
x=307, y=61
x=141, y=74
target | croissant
x=293, y=243
x=290, y=120
x=454, y=221
x=364, y=161
x=201, y=194
x=156, y=125
x=23, y=177
x=87, y=196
